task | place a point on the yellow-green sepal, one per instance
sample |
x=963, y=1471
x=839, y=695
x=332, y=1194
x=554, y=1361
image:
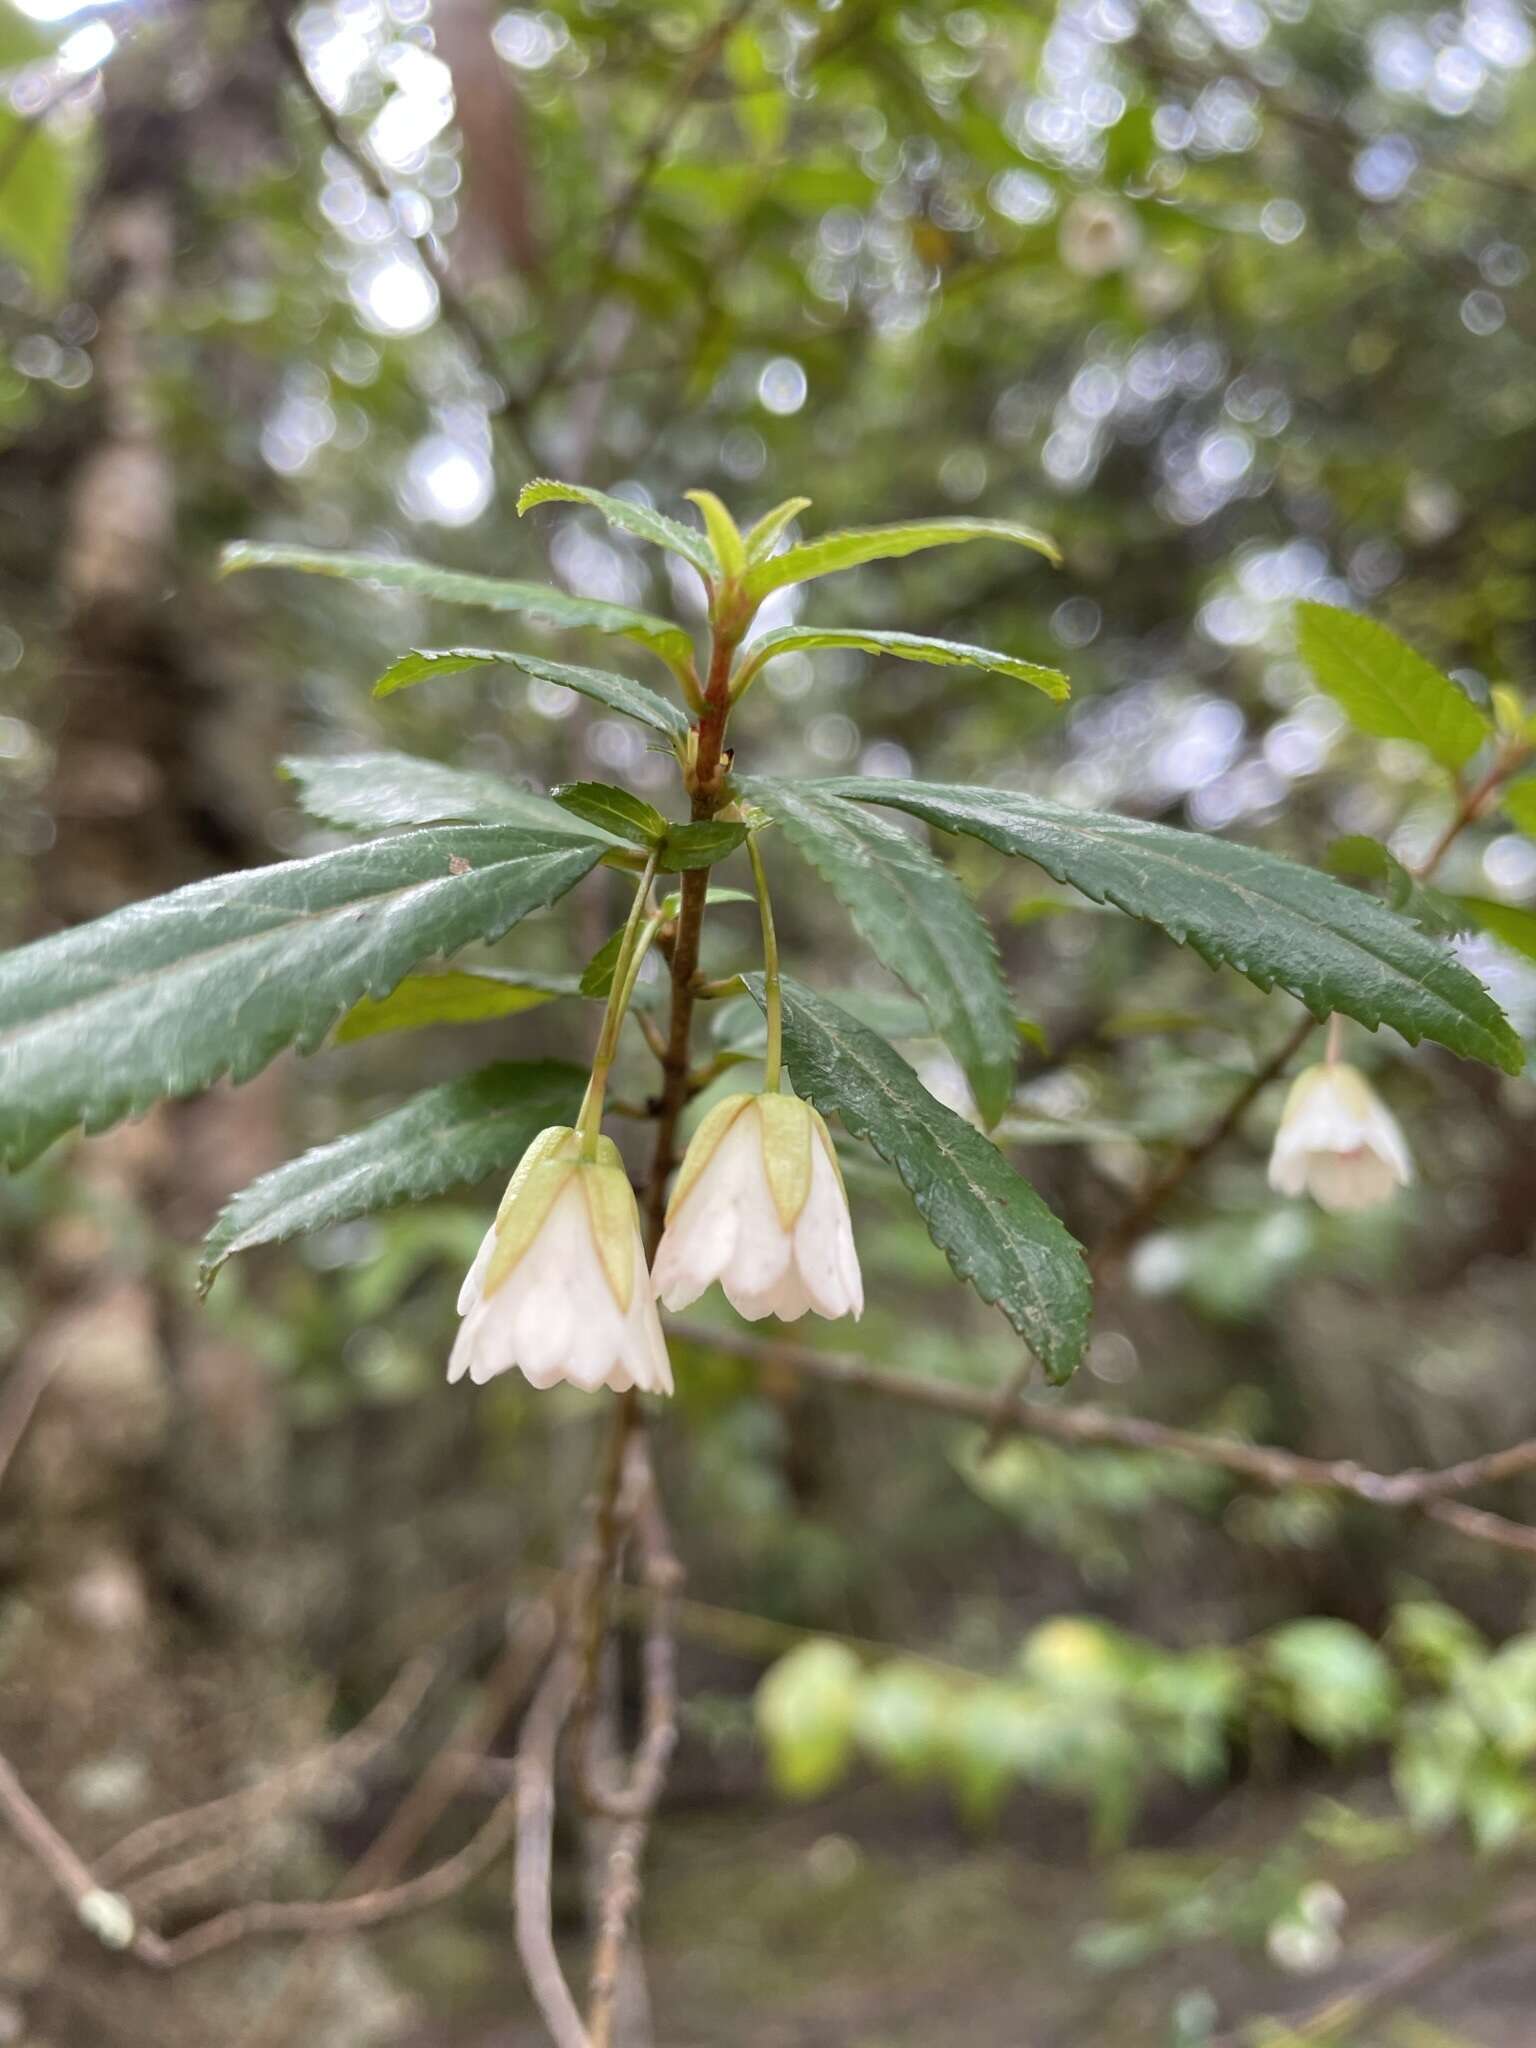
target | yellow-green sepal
x=704, y=1145
x=724, y=535
x=525, y=1214
x=615, y=1223
x=550, y=1144
x=786, y=1127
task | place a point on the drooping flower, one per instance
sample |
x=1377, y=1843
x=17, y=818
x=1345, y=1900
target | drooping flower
x=1338, y=1142
x=558, y=1290
x=1099, y=234
x=760, y=1206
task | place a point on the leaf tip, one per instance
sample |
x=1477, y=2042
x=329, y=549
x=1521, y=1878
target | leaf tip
x=537, y=491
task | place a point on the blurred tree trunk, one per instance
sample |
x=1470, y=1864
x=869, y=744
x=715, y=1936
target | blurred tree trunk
x=156, y=1628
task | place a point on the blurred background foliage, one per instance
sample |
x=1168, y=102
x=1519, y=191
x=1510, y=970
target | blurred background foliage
x=1234, y=299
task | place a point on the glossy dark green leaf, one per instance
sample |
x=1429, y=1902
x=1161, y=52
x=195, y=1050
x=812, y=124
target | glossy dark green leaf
x=447, y=1137
x=639, y=520
x=1276, y=922
x=380, y=792
x=619, y=693
x=463, y=995
x=698, y=846
x=166, y=996
x=487, y=593
x=1387, y=689
x=916, y=919
x=612, y=810
x=987, y=1219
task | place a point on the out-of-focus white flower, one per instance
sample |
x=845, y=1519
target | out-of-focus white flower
x=1338, y=1142
x=558, y=1290
x=760, y=1206
x=1098, y=234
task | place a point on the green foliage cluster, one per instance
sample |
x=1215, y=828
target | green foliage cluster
x=1101, y=1718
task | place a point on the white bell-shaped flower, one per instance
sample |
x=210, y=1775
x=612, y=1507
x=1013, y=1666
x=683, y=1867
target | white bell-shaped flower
x=760, y=1206
x=1338, y=1142
x=558, y=1290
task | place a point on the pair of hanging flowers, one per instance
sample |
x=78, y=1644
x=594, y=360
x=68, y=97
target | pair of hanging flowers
x=559, y=1289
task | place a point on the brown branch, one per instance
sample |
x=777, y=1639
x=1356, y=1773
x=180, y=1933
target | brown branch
x=1350, y=2009
x=104, y=1912
x=450, y=1770
x=1143, y=1212
x=534, y=1801
x=636, y=1802
x=1266, y=1465
x=479, y=341
x=381, y=1727
x=1139, y=1218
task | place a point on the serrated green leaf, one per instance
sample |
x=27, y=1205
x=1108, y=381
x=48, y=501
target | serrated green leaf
x=619, y=693
x=762, y=538
x=1519, y=802
x=856, y=545
x=1506, y=922
x=380, y=792
x=466, y=995
x=724, y=535
x=639, y=520
x=1361, y=858
x=917, y=921
x=698, y=846
x=166, y=996
x=987, y=1219
x=489, y=593
x=1276, y=922
x=613, y=810
x=1387, y=689
x=447, y=1137
x=906, y=646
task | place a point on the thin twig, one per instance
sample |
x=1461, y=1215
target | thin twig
x=1139, y=1218
x=528, y=1643
x=478, y=339
x=635, y=1803
x=1425, y=1492
x=367, y=1909
x=1350, y=2009
x=534, y=1798
x=105, y=1912
x=352, y=1752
